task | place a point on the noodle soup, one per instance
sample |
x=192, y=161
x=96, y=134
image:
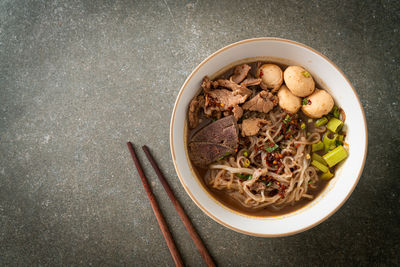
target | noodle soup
x=263, y=139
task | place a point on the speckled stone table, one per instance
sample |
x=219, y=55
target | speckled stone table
x=80, y=78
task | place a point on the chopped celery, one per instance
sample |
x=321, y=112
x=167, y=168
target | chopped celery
x=329, y=143
x=321, y=122
x=318, y=146
x=326, y=175
x=335, y=156
x=335, y=112
x=318, y=158
x=319, y=166
x=340, y=137
x=334, y=125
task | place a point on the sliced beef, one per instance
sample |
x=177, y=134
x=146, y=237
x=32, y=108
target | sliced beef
x=221, y=100
x=213, y=141
x=262, y=102
x=250, y=81
x=194, y=107
x=226, y=98
x=252, y=126
x=236, y=88
x=237, y=112
x=207, y=84
x=240, y=73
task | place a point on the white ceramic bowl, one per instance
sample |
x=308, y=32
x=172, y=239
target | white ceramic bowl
x=331, y=78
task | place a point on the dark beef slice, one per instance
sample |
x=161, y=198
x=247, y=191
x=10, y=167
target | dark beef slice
x=223, y=132
x=202, y=153
x=213, y=141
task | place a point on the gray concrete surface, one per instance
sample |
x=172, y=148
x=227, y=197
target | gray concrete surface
x=80, y=78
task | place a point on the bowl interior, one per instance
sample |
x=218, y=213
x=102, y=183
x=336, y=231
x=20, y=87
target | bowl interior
x=331, y=79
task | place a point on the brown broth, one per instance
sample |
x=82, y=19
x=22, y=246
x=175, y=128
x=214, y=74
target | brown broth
x=224, y=198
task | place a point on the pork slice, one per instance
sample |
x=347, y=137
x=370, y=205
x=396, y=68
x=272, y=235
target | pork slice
x=223, y=132
x=240, y=73
x=262, y=102
x=194, y=107
x=236, y=88
x=252, y=126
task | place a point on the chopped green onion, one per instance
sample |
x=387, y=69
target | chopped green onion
x=335, y=125
x=246, y=163
x=243, y=176
x=245, y=154
x=318, y=158
x=319, y=166
x=335, y=112
x=271, y=148
x=287, y=119
x=318, y=146
x=329, y=143
x=226, y=154
x=303, y=126
x=306, y=74
x=326, y=175
x=310, y=182
x=304, y=102
x=322, y=121
x=269, y=183
x=335, y=156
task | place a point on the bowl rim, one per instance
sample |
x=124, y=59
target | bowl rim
x=172, y=142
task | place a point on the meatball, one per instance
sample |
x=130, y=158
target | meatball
x=299, y=81
x=271, y=76
x=319, y=104
x=288, y=101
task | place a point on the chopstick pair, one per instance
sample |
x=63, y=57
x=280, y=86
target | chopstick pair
x=157, y=212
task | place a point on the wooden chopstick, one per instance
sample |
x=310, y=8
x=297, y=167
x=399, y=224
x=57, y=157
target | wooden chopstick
x=157, y=212
x=185, y=219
